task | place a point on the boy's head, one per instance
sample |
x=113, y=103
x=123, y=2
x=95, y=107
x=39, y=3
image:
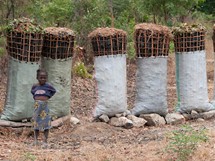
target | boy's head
x=42, y=76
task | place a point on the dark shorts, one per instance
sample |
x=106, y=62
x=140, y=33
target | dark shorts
x=41, y=118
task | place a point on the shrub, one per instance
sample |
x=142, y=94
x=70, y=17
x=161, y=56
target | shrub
x=184, y=141
x=81, y=70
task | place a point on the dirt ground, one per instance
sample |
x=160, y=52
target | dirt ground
x=97, y=141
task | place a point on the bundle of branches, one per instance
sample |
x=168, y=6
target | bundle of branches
x=24, y=40
x=58, y=43
x=189, y=37
x=185, y=28
x=24, y=25
x=151, y=40
x=108, y=41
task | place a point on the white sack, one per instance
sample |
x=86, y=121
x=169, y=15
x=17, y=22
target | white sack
x=110, y=75
x=151, y=86
x=191, y=79
x=59, y=75
x=19, y=101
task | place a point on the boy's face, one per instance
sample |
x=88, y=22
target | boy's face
x=42, y=78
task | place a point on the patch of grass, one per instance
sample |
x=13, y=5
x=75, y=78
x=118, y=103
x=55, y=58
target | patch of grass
x=28, y=156
x=184, y=142
x=2, y=46
x=81, y=70
x=171, y=47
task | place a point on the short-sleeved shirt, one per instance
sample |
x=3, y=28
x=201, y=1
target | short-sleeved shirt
x=43, y=90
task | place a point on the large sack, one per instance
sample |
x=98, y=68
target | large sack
x=151, y=86
x=19, y=100
x=110, y=75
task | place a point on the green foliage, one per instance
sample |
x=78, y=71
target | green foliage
x=52, y=13
x=184, y=141
x=2, y=46
x=28, y=156
x=171, y=47
x=81, y=70
x=207, y=6
x=24, y=25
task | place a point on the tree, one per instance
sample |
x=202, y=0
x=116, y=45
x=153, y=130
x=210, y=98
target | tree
x=207, y=7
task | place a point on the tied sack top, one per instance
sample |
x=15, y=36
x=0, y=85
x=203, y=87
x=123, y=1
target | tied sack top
x=43, y=90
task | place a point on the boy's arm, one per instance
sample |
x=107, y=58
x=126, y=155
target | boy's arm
x=52, y=90
x=33, y=88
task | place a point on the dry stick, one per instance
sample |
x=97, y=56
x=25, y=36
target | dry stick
x=29, y=46
x=138, y=46
x=56, y=47
x=123, y=40
x=56, y=123
x=104, y=44
x=163, y=46
x=98, y=46
x=183, y=42
x=67, y=53
x=151, y=38
x=111, y=45
x=158, y=43
x=145, y=34
x=11, y=44
x=5, y=123
x=117, y=43
x=178, y=44
x=152, y=47
x=59, y=122
x=167, y=45
x=50, y=46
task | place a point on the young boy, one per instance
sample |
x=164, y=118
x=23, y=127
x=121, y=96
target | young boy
x=42, y=91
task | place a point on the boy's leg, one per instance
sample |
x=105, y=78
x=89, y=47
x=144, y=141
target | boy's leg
x=36, y=135
x=45, y=142
x=46, y=134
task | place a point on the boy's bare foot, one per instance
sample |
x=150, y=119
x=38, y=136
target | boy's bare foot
x=35, y=143
x=45, y=145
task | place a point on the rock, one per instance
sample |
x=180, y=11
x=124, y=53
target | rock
x=104, y=118
x=174, y=118
x=208, y=115
x=137, y=122
x=24, y=120
x=194, y=114
x=187, y=116
x=126, y=113
x=200, y=120
x=121, y=122
x=74, y=120
x=153, y=119
x=118, y=115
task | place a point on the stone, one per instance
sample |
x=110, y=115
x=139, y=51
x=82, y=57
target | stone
x=137, y=122
x=153, y=119
x=121, y=122
x=74, y=120
x=118, y=115
x=208, y=115
x=104, y=118
x=174, y=118
x=187, y=116
x=200, y=120
x=126, y=113
x=194, y=114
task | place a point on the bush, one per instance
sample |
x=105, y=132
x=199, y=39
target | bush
x=184, y=141
x=81, y=70
x=2, y=46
